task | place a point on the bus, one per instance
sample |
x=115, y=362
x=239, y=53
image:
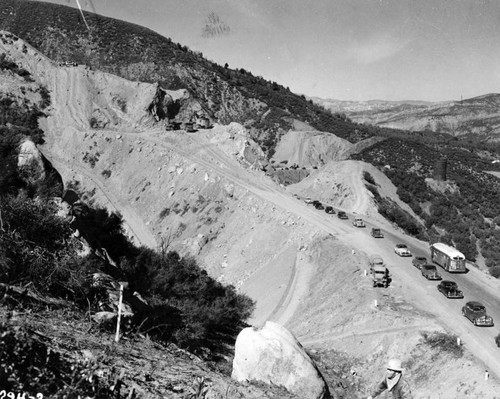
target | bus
x=449, y=258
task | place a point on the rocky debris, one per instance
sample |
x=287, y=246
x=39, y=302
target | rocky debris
x=274, y=356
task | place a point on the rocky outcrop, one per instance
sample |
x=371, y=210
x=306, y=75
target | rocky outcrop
x=176, y=105
x=30, y=162
x=274, y=356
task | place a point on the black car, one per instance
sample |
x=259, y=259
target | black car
x=476, y=313
x=342, y=215
x=430, y=272
x=419, y=261
x=318, y=205
x=450, y=289
x=329, y=210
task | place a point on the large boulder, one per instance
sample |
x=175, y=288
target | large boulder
x=274, y=356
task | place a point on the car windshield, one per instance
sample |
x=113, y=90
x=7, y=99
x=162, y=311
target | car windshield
x=421, y=259
x=477, y=308
x=401, y=246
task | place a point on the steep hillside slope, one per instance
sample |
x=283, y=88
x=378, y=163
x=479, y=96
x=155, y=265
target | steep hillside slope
x=308, y=149
x=478, y=116
x=201, y=194
x=138, y=54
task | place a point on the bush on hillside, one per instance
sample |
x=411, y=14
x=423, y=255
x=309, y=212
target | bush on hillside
x=495, y=271
x=188, y=305
x=28, y=365
x=443, y=342
x=36, y=249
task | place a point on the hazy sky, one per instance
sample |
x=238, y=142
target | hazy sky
x=343, y=49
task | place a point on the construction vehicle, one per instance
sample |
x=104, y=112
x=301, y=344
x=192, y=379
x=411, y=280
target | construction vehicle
x=377, y=233
x=379, y=272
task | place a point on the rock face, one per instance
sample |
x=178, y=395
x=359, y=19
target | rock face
x=274, y=356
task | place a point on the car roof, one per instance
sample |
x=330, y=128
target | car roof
x=448, y=282
x=420, y=257
x=401, y=245
x=428, y=267
x=474, y=303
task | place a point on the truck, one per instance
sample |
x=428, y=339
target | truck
x=379, y=272
x=358, y=222
x=377, y=233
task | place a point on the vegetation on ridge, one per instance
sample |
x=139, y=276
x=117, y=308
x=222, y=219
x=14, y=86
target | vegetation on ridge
x=462, y=211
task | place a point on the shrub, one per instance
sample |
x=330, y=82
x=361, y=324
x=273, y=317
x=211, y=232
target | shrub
x=165, y=212
x=188, y=306
x=495, y=271
x=444, y=342
x=35, y=248
x=28, y=365
x=369, y=178
x=106, y=173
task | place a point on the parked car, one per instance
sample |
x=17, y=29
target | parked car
x=450, y=289
x=418, y=261
x=402, y=250
x=430, y=272
x=308, y=200
x=476, y=313
x=358, y=222
x=342, y=215
x=377, y=233
x=497, y=340
x=318, y=205
x=329, y=210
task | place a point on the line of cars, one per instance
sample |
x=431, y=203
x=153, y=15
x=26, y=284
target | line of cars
x=472, y=310
x=357, y=222
x=328, y=209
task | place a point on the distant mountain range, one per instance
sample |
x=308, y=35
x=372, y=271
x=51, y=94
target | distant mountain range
x=474, y=116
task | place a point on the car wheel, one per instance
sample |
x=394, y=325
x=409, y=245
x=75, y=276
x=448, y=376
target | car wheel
x=475, y=322
x=463, y=311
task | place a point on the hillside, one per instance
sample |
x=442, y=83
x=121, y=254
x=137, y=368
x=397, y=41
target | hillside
x=205, y=195
x=475, y=118
x=219, y=93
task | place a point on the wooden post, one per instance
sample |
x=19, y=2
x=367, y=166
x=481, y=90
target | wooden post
x=117, y=336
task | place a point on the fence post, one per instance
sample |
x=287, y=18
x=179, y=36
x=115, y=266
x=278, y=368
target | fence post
x=117, y=336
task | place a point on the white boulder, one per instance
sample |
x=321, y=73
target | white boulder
x=274, y=356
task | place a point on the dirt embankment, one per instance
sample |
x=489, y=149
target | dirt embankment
x=198, y=194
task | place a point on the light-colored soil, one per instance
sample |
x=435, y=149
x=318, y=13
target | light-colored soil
x=198, y=194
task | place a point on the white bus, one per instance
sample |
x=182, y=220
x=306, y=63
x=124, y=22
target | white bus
x=449, y=258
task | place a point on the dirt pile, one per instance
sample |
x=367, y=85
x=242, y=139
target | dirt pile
x=311, y=148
